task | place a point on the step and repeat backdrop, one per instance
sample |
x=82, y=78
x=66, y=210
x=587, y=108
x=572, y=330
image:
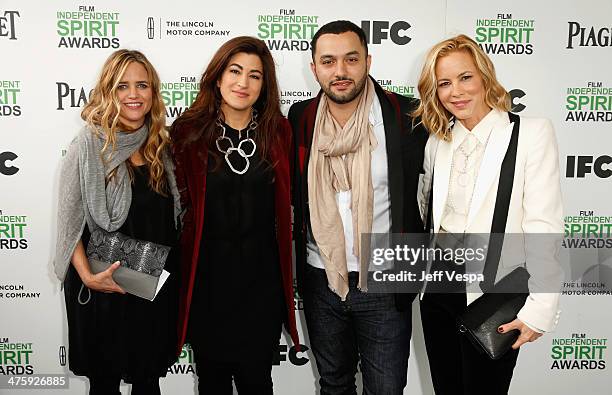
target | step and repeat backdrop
x=553, y=56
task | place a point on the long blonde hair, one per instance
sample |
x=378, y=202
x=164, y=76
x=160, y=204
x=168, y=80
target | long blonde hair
x=433, y=114
x=102, y=113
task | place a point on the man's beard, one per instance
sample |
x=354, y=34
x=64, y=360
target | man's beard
x=348, y=96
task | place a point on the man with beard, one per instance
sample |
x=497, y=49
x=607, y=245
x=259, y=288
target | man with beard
x=357, y=158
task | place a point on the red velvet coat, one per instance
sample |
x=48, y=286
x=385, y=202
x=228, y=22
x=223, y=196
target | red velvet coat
x=191, y=170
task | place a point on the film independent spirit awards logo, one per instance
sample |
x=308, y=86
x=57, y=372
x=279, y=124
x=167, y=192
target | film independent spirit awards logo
x=505, y=35
x=16, y=357
x=289, y=31
x=88, y=27
x=10, y=95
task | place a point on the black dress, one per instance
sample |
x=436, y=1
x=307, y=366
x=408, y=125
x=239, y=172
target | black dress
x=125, y=336
x=237, y=304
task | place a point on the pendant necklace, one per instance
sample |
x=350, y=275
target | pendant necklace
x=246, y=148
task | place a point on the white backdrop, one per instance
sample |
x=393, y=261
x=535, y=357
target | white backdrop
x=52, y=52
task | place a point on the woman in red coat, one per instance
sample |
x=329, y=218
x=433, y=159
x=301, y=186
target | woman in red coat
x=231, y=150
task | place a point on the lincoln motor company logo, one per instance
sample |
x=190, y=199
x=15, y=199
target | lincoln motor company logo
x=185, y=28
x=151, y=28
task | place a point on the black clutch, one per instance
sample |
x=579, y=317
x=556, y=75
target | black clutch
x=142, y=262
x=502, y=300
x=483, y=316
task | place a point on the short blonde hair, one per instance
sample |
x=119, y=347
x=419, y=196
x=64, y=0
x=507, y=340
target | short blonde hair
x=102, y=111
x=433, y=114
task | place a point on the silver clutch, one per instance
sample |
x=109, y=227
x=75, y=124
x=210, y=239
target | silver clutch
x=138, y=255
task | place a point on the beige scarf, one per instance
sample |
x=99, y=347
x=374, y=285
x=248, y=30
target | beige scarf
x=340, y=160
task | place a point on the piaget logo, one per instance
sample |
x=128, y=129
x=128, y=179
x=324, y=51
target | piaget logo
x=13, y=233
x=9, y=98
x=287, y=31
x=505, y=35
x=401, y=89
x=178, y=96
x=579, y=352
x=70, y=97
x=15, y=358
x=592, y=103
x=589, y=36
x=184, y=363
x=87, y=28
x=7, y=24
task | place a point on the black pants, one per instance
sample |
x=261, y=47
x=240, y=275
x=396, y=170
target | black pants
x=252, y=377
x=457, y=367
x=110, y=386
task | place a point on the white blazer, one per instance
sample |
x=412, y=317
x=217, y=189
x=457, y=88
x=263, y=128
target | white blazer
x=535, y=205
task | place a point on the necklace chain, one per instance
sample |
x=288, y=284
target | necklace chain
x=242, y=150
x=463, y=173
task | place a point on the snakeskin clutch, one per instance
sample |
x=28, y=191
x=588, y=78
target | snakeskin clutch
x=138, y=255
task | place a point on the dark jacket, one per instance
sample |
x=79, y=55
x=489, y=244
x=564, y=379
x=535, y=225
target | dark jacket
x=191, y=170
x=405, y=143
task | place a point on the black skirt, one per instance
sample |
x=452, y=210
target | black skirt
x=116, y=335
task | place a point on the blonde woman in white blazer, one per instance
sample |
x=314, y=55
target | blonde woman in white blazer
x=465, y=110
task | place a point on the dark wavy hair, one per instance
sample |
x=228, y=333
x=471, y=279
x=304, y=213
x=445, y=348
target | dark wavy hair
x=197, y=124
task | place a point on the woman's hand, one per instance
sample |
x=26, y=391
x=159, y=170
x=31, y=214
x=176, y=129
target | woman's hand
x=103, y=281
x=527, y=334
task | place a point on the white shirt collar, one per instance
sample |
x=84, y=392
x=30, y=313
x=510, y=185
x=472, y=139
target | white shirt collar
x=481, y=131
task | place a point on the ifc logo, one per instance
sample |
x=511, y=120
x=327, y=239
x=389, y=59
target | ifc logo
x=285, y=352
x=376, y=31
x=516, y=94
x=581, y=165
x=5, y=168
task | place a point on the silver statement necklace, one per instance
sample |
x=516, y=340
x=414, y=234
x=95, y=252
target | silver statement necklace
x=246, y=148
